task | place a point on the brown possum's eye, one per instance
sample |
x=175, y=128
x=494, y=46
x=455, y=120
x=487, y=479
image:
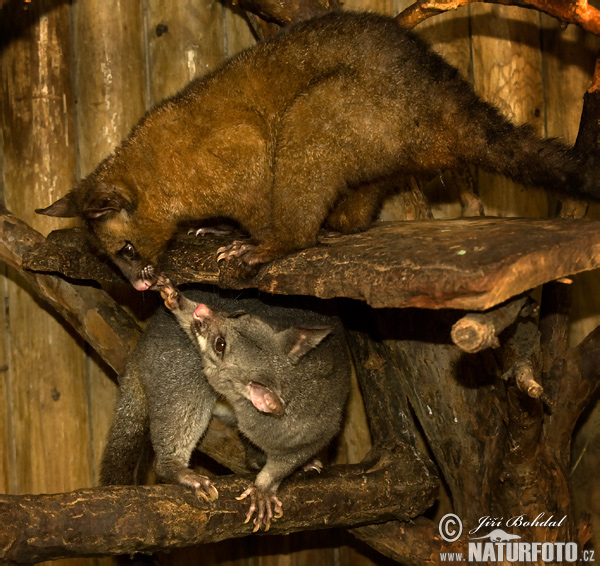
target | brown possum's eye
x=220, y=344
x=128, y=251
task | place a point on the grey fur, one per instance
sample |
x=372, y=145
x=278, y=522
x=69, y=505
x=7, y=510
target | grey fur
x=298, y=356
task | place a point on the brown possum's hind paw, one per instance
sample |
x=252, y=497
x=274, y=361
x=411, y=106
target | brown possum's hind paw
x=200, y=484
x=249, y=254
x=314, y=464
x=168, y=292
x=267, y=507
x=236, y=249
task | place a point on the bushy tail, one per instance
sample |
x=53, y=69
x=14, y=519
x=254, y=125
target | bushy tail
x=127, y=455
x=520, y=154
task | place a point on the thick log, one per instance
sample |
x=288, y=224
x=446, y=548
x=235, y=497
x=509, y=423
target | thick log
x=122, y=520
x=457, y=399
x=474, y=263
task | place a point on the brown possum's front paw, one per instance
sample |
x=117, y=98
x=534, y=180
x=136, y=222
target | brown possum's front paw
x=168, y=292
x=266, y=506
x=200, y=484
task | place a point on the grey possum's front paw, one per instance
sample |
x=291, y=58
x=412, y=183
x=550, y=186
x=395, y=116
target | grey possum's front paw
x=168, y=292
x=200, y=484
x=267, y=507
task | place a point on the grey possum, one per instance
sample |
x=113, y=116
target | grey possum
x=284, y=373
x=297, y=132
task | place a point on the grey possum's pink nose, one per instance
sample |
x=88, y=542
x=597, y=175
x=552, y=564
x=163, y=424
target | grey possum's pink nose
x=201, y=312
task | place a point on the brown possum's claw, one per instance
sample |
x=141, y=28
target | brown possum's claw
x=314, y=464
x=251, y=255
x=200, y=484
x=236, y=249
x=267, y=507
x=206, y=230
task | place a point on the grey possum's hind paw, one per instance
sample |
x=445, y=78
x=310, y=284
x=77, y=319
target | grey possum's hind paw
x=266, y=506
x=314, y=464
x=200, y=484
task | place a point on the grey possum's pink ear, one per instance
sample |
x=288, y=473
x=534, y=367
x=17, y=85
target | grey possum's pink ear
x=64, y=207
x=297, y=342
x=265, y=400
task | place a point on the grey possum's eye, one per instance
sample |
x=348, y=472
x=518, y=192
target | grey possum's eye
x=220, y=344
x=128, y=251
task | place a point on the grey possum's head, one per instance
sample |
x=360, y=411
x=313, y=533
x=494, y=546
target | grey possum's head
x=246, y=357
x=131, y=237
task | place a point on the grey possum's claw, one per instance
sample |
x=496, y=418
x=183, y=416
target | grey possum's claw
x=202, y=486
x=267, y=507
x=314, y=464
x=237, y=249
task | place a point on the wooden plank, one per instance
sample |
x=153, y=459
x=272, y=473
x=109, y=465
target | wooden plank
x=507, y=71
x=239, y=35
x=7, y=459
x=46, y=375
x=569, y=60
x=185, y=40
x=110, y=86
x=7, y=465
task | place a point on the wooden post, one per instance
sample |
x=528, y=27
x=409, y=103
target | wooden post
x=110, y=86
x=508, y=73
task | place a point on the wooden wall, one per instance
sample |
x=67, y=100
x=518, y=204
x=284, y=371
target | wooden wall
x=76, y=76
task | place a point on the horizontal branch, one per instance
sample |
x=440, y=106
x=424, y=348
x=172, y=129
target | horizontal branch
x=123, y=520
x=569, y=11
x=466, y=263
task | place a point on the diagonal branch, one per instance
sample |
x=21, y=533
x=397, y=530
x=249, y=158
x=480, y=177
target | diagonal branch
x=97, y=318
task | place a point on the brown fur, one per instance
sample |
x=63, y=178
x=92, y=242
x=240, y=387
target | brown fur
x=292, y=133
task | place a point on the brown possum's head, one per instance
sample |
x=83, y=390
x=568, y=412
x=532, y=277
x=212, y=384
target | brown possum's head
x=132, y=240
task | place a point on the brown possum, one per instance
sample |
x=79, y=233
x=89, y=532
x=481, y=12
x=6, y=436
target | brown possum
x=296, y=132
x=283, y=371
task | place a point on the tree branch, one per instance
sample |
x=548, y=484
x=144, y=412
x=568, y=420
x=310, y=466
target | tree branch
x=123, y=520
x=569, y=11
x=98, y=319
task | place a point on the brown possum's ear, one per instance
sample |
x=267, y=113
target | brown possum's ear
x=297, y=342
x=265, y=400
x=64, y=207
x=104, y=201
